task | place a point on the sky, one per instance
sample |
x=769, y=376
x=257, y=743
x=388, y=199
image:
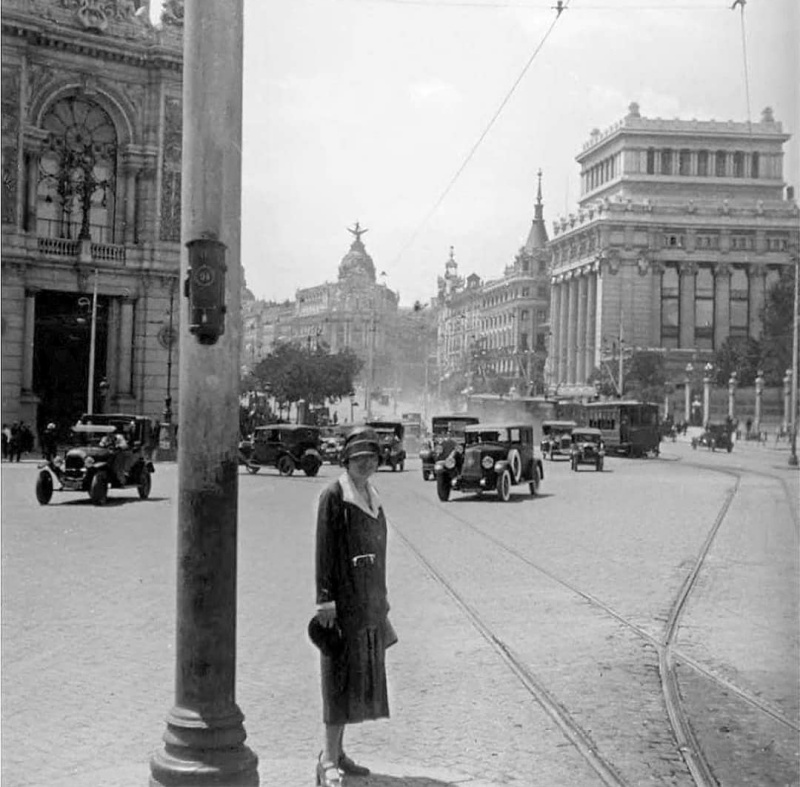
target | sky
x=403, y=115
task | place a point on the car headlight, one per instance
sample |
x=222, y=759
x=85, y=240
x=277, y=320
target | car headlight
x=450, y=462
x=487, y=462
x=88, y=462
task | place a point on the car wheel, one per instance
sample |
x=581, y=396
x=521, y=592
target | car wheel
x=145, y=484
x=44, y=487
x=426, y=475
x=443, y=487
x=534, y=484
x=252, y=468
x=286, y=465
x=311, y=468
x=98, y=491
x=504, y=486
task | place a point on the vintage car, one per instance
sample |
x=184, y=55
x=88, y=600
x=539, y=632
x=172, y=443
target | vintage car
x=331, y=442
x=390, y=436
x=447, y=435
x=557, y=438
x=495, y=457
x=587, y=448
x=715, y=436
x=284, y=446
x=107, y=451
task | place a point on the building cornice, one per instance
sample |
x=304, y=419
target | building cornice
x=36, y=32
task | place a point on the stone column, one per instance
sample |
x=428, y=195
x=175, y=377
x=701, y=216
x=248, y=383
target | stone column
x=572, y=335
x=562, y=331
x=598, y=316
x=125, y=361
x=29, y=329
x=756, y=277
x=112, y=351
x=580, y=365
x=33, y=141
x=552, y=363
x=722, y=304
x=688, y=271
x=591, y=311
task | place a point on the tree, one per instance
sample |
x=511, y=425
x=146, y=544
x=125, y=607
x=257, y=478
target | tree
x=645, y=377
x=739, y=354
x=293, y=373
x=776, y=327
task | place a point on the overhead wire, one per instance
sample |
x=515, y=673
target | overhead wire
x=741, y=4
x=562, y=6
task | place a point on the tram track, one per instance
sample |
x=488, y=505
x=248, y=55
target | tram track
x=668, y=655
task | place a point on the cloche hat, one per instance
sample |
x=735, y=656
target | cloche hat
x=362, y=440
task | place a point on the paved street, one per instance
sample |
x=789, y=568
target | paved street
x=530, y=632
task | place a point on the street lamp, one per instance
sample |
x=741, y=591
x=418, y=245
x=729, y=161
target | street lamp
x=759, y=394
x=795, y=317
x=787, y=392
x=687, y=407
x=708, y=369
x=732, y=382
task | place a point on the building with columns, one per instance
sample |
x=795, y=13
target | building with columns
x=499, y=325
x=681, y=227
x=91, y=141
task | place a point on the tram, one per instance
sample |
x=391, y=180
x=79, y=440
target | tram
x=628, y=427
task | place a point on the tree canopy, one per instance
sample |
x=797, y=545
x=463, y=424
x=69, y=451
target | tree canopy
x=777, y=320
x=292, y=373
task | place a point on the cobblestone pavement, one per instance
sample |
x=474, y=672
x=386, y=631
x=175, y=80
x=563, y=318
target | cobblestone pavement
x=88, y=627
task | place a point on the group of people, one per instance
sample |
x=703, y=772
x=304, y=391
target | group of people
x=17, y=440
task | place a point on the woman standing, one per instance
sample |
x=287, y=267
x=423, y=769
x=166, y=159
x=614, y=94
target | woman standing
x=352, y=602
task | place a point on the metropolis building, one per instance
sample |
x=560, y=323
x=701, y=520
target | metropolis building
x=91, y=142
x=681, y=228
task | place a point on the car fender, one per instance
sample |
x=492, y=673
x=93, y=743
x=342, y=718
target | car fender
x=503, y=464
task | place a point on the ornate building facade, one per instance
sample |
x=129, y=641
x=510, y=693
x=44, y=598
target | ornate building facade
x=498, y=326
x=355, y=312
x=681, y=228
x=91, y=141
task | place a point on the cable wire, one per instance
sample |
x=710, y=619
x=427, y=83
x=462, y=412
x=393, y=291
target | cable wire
x=448, y=188
x=741, y=5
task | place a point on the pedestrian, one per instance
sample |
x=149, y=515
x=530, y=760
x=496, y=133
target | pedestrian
x=6, y=437
x=25, y=438
x=352, y=605
x=49, y=442
x=748, y=424
x=14, y=444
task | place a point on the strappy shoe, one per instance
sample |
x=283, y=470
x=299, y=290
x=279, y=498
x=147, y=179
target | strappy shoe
x=328, y=774
x=347, y=766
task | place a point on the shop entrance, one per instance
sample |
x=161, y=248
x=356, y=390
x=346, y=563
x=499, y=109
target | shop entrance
x=62, y=339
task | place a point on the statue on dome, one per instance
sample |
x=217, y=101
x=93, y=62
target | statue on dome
x=357, y=231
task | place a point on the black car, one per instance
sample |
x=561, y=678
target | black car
x=715, y=436
x=390, y=437
x=283, y=446
x=108, y=451
x=447, y=435
x=495, y=458
x=587, y=448
x=557, y=438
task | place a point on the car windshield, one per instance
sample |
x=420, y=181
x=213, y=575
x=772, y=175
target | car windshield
x=90, y=434
x=487, y=436
x=586, y=438
x=441, y=428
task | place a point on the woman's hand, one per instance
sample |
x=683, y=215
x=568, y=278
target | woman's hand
x=327, y=617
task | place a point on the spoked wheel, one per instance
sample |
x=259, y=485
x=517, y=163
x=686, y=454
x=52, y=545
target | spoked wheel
x=145, y=484
x=44, y=487
x=98, y=491
x=286, y=465
x=504, y=486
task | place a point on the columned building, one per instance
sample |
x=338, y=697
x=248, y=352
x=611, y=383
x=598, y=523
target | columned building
x=681, y=228
x=91, y=141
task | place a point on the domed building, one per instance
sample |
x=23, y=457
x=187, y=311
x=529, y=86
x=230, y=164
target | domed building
x=355, y=311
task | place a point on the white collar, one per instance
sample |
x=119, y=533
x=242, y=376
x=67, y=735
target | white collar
x=351, y=495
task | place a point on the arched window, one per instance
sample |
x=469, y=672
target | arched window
x=76, y=192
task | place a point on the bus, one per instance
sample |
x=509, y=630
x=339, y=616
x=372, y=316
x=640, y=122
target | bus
x=628, y=427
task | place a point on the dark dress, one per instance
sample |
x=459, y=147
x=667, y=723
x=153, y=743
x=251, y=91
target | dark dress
x=351, y=570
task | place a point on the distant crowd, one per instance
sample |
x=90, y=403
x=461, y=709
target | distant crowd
x=17, y=440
